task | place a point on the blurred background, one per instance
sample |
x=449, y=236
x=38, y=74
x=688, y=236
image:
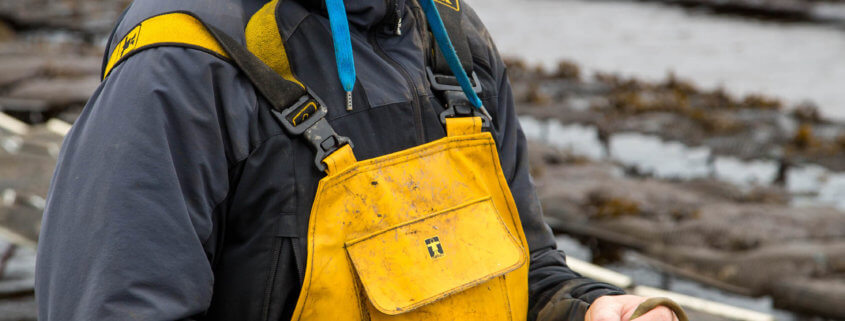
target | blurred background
x=695, y=147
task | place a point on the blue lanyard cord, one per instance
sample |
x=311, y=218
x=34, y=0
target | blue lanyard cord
x=439, y=31
x=342, y=47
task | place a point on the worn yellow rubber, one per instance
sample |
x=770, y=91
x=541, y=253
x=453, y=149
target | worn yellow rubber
x=652, y=303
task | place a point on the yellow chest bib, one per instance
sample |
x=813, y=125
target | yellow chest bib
x=427, y=233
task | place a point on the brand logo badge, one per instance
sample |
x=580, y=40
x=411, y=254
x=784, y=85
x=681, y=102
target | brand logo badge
x=453, y=4
x=435, y=250
x=130, y=41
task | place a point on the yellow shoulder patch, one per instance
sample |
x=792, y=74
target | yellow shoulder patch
x=171, y=29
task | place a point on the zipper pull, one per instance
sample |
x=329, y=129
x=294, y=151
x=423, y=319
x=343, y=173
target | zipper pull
x=398, y=30
x=348, y=100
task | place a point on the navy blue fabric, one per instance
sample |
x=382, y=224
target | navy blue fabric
x=141, y=173
x=176, y=189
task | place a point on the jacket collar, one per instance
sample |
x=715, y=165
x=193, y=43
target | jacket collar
x=365, y=14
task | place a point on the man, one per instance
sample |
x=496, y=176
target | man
x=179, y=196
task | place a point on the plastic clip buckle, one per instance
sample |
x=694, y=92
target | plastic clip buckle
x=437, y=82
x=457, y=105
x=308, y=117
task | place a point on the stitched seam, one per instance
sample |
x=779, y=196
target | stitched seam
x=508, y=196
x=354, y=171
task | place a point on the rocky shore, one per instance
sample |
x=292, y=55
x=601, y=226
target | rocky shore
x=747, y=242
x=750, y=127
x=743, y=239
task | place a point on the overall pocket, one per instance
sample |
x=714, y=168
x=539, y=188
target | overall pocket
x=438, y=256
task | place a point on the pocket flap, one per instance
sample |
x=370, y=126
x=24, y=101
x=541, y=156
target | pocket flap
x=422, y=261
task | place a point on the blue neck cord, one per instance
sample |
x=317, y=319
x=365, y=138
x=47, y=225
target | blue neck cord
x=342, y=47
x=439, y=31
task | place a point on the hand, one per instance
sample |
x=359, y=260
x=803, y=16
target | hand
x=621, y=307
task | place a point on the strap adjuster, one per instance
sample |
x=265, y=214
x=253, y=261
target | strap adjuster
x=304, y=113
x=457, y=105
x=307, y=117
x=450, y=83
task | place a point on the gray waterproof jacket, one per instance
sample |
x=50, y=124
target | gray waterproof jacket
x=178, y=196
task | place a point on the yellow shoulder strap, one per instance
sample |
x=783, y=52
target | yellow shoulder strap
x=171, y=29
x=262, y=35
x=339, y=160
x=457, y=126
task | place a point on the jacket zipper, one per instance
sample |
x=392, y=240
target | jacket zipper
x=414, y=100
x=393, y=20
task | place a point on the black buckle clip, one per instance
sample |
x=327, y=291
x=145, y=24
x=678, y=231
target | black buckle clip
x=308, y=116
x=437, y=82
x=457, y=105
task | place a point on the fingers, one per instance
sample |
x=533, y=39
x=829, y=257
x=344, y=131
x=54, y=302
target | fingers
x=622, y=308
x=660, y=313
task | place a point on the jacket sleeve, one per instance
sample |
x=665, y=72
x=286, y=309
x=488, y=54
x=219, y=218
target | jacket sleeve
x=550, y=279
x=128, y=228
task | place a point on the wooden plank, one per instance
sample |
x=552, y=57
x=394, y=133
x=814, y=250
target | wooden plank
x=58, y=126
x=13, y=125
x=715, y=308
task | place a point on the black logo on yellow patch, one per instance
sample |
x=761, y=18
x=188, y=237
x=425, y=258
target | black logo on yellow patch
x=130, y=41
x=453, y=4
x=435, y=250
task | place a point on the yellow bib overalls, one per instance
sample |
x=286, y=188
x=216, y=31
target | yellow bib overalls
x=427, y=233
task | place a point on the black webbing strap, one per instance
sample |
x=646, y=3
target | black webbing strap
x=299, y=111
x=450, y=13
x=280, y=92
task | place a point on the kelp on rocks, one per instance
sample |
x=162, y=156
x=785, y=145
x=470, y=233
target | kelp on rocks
x=750, y=127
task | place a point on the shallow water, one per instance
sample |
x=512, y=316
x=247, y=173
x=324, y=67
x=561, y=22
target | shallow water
x=793, y=61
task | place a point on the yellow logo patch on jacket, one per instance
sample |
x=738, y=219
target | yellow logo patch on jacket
x=454, y=4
